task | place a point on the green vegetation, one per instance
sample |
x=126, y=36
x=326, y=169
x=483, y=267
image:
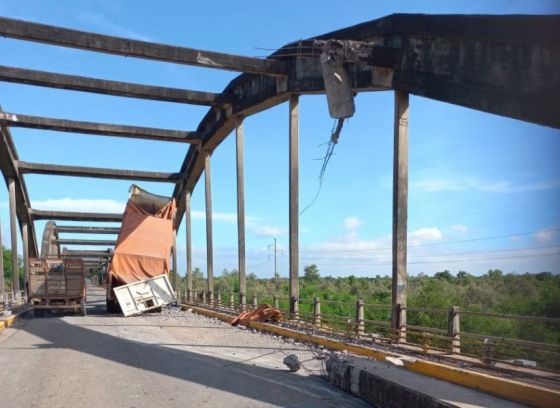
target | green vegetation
x=7, y=255
x=494, y=292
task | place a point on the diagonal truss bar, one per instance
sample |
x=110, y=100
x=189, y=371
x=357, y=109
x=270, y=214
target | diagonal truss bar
x=116, y=88
x=74, y=216
x=85, y=242
x=93, y=128
x=8, y=159
x=25, y=30
x=94, y=172
x=71, y=229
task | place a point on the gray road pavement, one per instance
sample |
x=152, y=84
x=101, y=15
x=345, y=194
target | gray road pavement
x=161, y=360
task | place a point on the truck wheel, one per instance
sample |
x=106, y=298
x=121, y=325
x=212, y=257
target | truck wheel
x=83, y=307
x=113, y=307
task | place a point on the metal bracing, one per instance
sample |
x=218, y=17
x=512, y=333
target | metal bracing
x=99, y=129
x=94, y=172
x=25, y=30
x=115, y=88
x=74, y=216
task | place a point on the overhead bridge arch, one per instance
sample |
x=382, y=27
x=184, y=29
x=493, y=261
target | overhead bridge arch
x=505, y=65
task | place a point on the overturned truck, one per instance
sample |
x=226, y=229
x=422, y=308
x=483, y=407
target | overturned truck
x=137, y=278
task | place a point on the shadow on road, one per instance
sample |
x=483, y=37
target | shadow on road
x=278, y=387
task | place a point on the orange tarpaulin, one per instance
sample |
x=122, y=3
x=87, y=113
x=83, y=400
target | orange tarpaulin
x=144, y=243
x=262, y=313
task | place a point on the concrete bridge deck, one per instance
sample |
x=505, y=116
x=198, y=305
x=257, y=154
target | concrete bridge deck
x=168, y=359
x=176, y=358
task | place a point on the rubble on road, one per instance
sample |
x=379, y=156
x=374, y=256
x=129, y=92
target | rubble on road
x=263, y=313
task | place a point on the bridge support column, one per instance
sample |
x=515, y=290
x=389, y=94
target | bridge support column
x=2, y=292
x=400, y=215
x=174, y=260
x=25, y=244
x=209, y=245
x=13, y=234
x=294, y=205
x=240, y=207
x=189, y=245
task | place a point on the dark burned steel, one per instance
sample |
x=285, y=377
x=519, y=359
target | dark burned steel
x=86, y=230
x=99, y=242
x=106, y=87
x=505, y=65
x=91, y=128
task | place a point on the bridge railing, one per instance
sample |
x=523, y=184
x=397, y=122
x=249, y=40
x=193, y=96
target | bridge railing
x=11, y=300
x=488, y=337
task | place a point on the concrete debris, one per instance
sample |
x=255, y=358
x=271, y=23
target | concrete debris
x=292, y=362
x=394, y=360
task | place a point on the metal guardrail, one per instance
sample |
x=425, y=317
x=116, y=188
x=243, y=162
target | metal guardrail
x=10, y=300
x=373, y=321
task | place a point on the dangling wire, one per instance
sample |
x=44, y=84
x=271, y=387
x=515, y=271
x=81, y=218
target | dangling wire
x=335, y=135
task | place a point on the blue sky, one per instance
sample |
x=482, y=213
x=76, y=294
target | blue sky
x=484, y=190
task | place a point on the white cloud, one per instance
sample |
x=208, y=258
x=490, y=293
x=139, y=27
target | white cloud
x=544, y=236
x=353, y=244
x=80, y=204
x=352, y=223
x=459, y=228
x=424, y=234
x=436, y=185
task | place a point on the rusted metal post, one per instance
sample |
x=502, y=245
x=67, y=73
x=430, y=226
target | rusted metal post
x=240, y=204
x=2, y=283
x=294, y=205
x=231, y=304
x=255, y=301
x=317, y=312
x=189, y=245
x=13, y=234
x=359, y=317
x=174, y=260
x=400, y=213
x=25, y=244
x=454, y=329
x=209, y=245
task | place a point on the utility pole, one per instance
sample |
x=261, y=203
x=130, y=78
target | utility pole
x=276, y=251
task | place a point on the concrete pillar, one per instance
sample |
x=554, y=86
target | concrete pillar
x=25, y=244
x=240, y=204
x=317, y=312
x=294, y=205
x=189, y=245
x=174, y=260
x=2, y=283
x=454, y=329
x=209, y=244
x=13, y=235
x=400, y=212
x=360, y=317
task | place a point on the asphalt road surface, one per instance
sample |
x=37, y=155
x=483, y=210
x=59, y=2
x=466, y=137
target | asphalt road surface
x=168, y=359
